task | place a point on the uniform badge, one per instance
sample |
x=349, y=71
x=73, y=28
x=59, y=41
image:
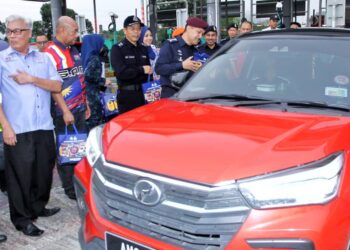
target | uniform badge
x=179, y=53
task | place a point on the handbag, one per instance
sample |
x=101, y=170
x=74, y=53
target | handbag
x=152, y=90
x=71, y=147
x=109, y=103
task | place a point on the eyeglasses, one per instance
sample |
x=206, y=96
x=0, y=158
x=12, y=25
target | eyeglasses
x=42, y=43
x=15, y=31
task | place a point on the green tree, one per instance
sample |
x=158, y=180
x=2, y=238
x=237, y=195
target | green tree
x=2, y=27
x=45, y=12
x=38, y=28
x=89, y=27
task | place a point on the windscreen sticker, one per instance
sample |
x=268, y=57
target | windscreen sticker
x=341, y=79
x=336, y=92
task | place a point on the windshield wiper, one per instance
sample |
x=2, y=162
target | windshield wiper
x=311, y=104
x=304, y=104
x=246, y=100
x=226, y=97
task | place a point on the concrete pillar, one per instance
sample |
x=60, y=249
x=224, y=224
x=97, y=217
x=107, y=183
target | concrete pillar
x=56, y=12
x=287, y=5
x=213, y=14
x=153, y=18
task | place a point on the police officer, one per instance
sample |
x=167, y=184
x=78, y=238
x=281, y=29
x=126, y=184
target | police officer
x=131, y=65
x=176, y=54
x=232, y=32
x=210, y=46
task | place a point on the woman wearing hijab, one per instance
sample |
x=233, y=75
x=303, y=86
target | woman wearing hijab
x=146, y=38
x=92, y=51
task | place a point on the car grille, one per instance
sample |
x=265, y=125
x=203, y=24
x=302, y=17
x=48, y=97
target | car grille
x=189, y=215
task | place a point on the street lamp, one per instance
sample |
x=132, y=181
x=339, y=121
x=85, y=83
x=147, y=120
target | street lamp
x=279, y=9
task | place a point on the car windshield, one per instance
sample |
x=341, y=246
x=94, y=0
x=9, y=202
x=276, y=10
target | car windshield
x=301, y=69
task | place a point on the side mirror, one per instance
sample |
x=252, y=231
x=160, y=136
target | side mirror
x=178, y=79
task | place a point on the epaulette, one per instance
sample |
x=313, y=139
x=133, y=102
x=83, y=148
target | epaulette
x=172, y=40
x=121, y=44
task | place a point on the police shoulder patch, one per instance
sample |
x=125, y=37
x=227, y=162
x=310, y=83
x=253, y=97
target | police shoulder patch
x=172, y=40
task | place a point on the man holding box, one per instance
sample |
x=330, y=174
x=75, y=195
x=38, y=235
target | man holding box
x=177, y=54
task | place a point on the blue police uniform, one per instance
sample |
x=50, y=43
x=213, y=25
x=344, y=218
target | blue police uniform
x=172, y=54
x=204, y=48
x=224, y=41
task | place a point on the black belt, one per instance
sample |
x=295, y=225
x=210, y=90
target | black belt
x=134, y=87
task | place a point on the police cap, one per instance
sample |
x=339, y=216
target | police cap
x=274, y=17
x=211, y=28
x=130, y=20
x=197, y=22
x=232, y=25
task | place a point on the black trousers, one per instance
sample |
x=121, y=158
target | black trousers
x=66, y=172
x=128, y=99
x=28, y=167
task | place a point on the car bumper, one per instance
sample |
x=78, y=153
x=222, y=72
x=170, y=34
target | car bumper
x=302, y=228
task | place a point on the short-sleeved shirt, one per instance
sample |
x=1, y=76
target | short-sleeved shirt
x=172, y=54
x=26, y=106
x=68, y=63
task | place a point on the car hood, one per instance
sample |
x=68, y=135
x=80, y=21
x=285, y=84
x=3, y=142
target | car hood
x=213, y=144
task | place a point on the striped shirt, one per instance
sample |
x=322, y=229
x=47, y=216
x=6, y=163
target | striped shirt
x=68, y=63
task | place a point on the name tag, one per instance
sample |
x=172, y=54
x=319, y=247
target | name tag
x=10, y=59
x=129, y=57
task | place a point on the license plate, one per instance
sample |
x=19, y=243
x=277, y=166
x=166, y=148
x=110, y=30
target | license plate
x=115, y=242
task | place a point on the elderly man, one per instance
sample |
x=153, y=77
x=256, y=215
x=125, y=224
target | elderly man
x=176, y=54
x=245, y=27
x=27, y=80
x=71, y=106
x=42, y=42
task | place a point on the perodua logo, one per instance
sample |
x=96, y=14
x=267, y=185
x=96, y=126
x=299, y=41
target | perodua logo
x=147, y=192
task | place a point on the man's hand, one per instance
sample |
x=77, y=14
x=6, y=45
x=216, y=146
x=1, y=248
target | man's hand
x=147, y=69
x=22, y=77
x=191, y=65
x=9, y=136
x=108, y=83
x=68, y=118
x=87, y=112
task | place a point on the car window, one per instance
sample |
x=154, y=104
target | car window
x=292, y=69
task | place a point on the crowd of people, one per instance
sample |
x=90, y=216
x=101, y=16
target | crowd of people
x=48, y=89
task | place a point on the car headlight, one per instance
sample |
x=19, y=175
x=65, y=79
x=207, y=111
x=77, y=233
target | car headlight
x=94, y=145
x=313, y=183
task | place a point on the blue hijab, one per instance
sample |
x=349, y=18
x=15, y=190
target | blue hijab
x=151, y=53
x=92, y=45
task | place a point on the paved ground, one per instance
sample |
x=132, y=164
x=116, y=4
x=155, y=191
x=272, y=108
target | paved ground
x=61, y=230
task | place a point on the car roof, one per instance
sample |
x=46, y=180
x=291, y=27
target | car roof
x=328, y=32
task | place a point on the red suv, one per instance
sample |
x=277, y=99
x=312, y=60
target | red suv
x=252, y=153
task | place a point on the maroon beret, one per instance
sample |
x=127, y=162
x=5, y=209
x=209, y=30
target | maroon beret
x=197, y=22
